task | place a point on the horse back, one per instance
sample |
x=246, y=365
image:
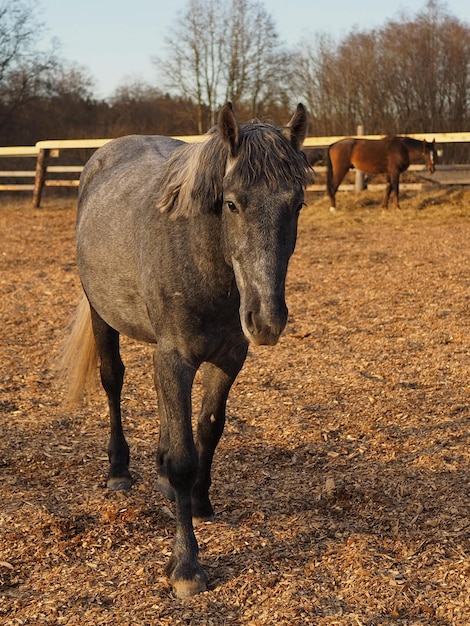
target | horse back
x=118, y=189
x=116, y=208
x=145, y=154
x=340, y=153
x=379, y=156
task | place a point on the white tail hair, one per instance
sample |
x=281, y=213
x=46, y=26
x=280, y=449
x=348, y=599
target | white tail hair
x=78, y=357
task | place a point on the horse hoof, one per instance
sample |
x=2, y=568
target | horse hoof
x=186, y=580
x=122, y=483
x=188, y=588
x=332, y=209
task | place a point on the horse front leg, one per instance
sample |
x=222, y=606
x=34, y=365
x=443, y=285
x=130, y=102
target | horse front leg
x=112, y=377
x=163, y=483
x=218, y=379
x=173, y=381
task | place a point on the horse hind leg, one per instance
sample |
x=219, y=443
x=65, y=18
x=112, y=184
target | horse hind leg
x=395, y=190
x=335, y=175
x=112, y=377
x=391, y=189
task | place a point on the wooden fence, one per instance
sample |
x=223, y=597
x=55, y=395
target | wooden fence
x=45, y=172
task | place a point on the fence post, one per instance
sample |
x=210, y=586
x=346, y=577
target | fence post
x=360, y=181
x=41, y=164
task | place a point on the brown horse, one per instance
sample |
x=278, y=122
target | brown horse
x=391, y=155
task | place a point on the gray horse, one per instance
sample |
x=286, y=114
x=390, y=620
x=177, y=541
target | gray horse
x=185, y=246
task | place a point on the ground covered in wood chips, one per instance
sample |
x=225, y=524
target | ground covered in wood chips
x=342, y=481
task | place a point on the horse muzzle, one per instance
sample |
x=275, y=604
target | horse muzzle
x=261, y=329
x=263, y=311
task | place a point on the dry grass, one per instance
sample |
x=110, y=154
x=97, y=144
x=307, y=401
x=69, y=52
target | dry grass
x=342, y=481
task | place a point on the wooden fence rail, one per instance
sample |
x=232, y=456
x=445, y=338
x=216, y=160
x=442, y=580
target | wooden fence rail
x=44, y=172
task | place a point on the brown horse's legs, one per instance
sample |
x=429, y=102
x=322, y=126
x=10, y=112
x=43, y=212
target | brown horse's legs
x=335, y=183
x=388, y=189
x=217, y=384
x=395, y=191
x=331, y=187
x=392, y=188
x=112, y=376
x=331, y=190
x=335, y=174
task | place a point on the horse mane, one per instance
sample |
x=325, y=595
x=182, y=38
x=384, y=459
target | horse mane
x=412, y=142
x=192, y=181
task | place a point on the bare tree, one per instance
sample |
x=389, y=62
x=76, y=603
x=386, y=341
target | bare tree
x=220, y=50
x=193, y=65
x=411, y=75
x=427, y=70
x=255, y=62
x=22, y=64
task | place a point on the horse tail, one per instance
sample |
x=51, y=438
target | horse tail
x=78, y=358
x=329, y=169
x=329, y=176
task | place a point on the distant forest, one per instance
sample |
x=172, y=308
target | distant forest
x=410, y=75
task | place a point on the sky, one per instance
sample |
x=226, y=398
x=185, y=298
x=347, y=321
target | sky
x=115, y=40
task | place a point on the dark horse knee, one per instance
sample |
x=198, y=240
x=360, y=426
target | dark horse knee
x=201, y=507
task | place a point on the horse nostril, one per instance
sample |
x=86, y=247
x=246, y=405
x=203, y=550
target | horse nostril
x=250, y=321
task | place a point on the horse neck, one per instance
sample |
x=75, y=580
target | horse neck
x=207, y=247
x=416, y=149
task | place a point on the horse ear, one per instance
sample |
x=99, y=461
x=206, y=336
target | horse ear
x=296, y=129
x=229, y=129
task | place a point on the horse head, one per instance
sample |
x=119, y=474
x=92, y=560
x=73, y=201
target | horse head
x=430, y=155
x=263, y=192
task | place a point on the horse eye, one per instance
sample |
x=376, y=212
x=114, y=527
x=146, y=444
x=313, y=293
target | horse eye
x=232, y=207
